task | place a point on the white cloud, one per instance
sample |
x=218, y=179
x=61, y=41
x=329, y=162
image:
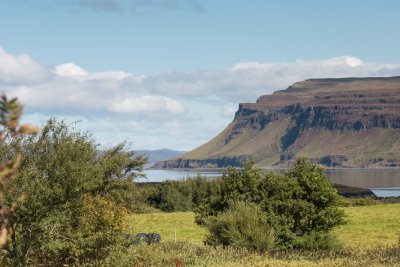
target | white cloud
x=146, y=103
x=20, y=68
x=69, y=70
x=171, y=109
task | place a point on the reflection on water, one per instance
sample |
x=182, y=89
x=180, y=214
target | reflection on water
x=382, y=182
x=162, y=175
x=368, y=178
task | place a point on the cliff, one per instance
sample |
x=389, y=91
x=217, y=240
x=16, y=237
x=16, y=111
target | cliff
x=349, y=122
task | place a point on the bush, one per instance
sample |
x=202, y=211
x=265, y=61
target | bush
x=359, y=201
x=65, y=178
x=300, y=204
x=243, y=225
x=185, y=195
x=99, y=225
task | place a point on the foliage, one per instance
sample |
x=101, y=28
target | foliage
x=183, y=195
x=359, y=201
x=64, y=174
x=10, y=112
x=99, y=227
x=301, y=205
x=170, y=253
x=243, y=225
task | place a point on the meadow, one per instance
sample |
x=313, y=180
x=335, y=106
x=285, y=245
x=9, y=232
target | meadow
x=370, y=238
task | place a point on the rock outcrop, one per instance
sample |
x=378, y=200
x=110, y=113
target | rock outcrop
x=349, y=122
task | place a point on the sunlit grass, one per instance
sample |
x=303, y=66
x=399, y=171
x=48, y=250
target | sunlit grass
x=366, y=237
x=165, y=224
x=370, y=226
x=367, y=226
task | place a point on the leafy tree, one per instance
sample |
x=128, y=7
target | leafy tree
x=61, y=172
x=301, y=205
x=183, y=195
x=10, y=112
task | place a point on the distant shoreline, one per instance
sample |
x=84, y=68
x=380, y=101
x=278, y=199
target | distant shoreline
x=275, y=168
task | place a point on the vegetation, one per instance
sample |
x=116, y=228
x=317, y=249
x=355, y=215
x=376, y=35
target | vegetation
x=300, y=205
x=75, y=197
x=185, y=195
x=242, y=226
x=10, y=112
x=64, y=203
x=183, y=253
x=375, y=245
x=370, y=226
x=172, y=226
x=367, y=226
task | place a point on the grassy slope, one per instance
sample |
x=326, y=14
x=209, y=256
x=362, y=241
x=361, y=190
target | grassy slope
x=263, y=144
x=358, y=146
x=369, y=226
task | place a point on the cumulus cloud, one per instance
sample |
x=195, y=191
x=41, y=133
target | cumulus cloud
x=20, y=68
x=195, y=105
x=146, y=103
x=69, y=70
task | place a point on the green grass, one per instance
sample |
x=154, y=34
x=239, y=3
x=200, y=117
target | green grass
x=367, y=238
x=367, y=226
x=165, y=224
x=370, y=226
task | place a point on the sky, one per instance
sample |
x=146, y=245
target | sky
x=171, y=73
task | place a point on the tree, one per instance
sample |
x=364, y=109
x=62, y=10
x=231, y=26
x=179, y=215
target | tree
x=301, y=205
x=62, y=172
x=10, y=112
x=184, y=195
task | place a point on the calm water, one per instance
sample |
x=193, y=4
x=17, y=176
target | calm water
x=383, y=183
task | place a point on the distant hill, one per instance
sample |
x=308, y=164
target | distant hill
x=349, y=122
x=160, y=154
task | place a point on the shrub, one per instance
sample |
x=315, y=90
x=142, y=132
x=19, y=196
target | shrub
x=185, y=195
x=243, y=225
x=300, y=204
x=64, y=178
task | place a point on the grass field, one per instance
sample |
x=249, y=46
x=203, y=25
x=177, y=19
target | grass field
x=166, y=223
x=370, y=226
x=369, y=239
x=367, y=226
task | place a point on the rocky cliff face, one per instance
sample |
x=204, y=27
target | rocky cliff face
x=351, y=122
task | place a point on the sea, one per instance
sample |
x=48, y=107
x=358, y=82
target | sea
x=382, y=182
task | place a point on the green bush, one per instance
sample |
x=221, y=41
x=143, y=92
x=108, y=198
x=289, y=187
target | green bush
x=300, y=204
x=185, y=195
x=359, y=201
x=61, y=173
x=243, y=225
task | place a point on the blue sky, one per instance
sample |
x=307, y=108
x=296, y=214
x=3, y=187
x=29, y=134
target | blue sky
x=170, y=73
